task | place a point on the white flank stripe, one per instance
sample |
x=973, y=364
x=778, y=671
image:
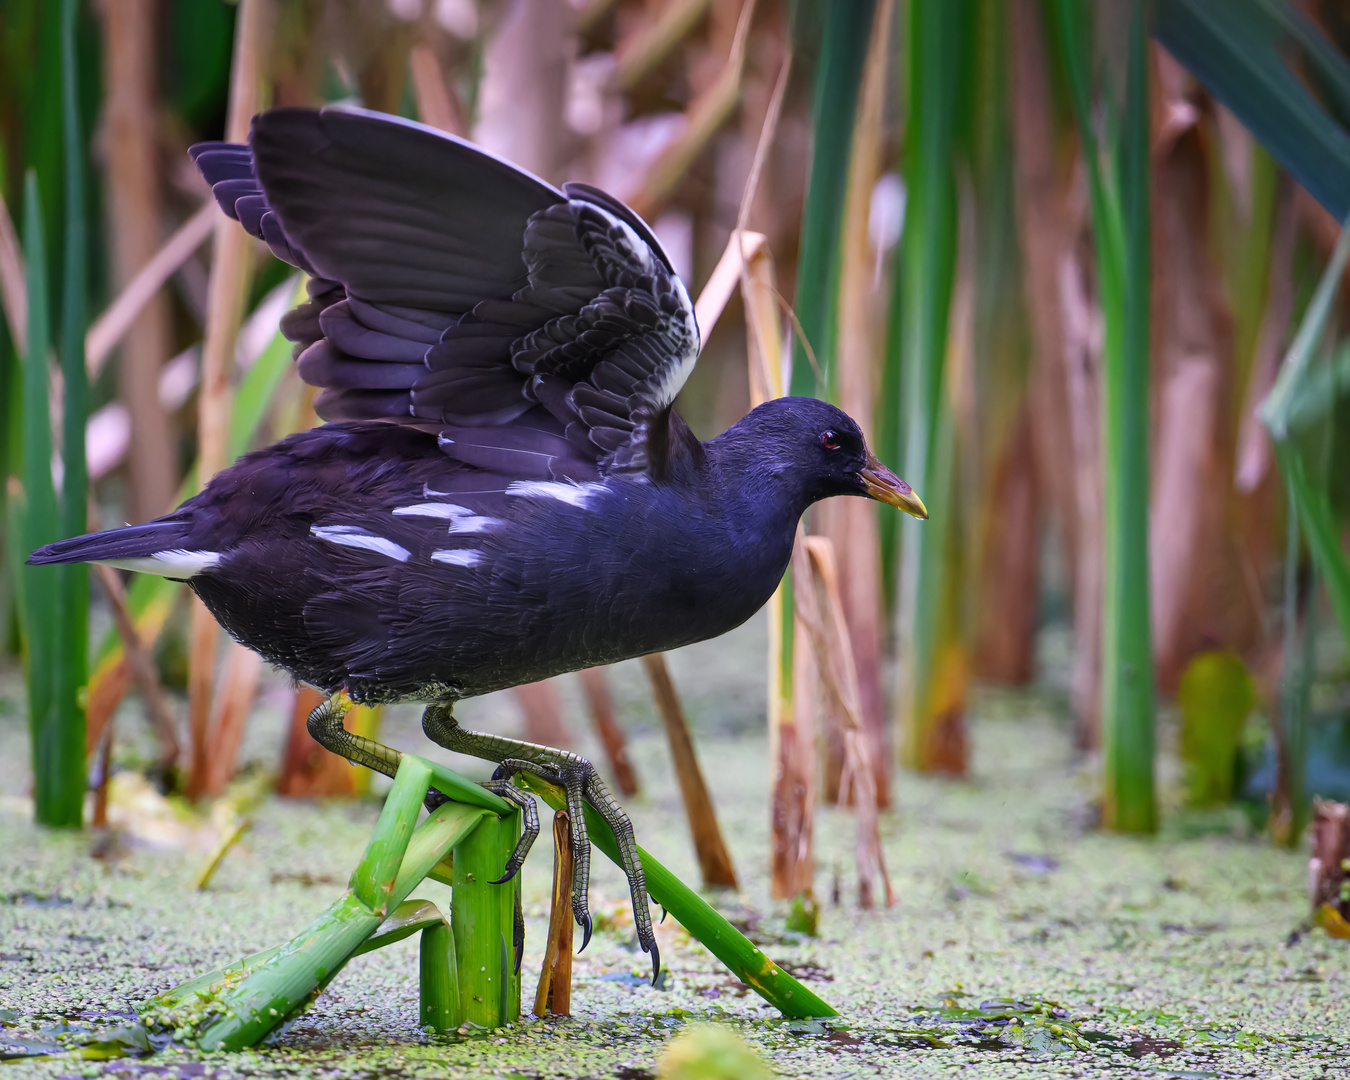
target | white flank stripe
x=433, y=510
x=461, y=518
x=350, y=536
x=578, y=495
x=473, y=523
x=457, y=556
x=176, y=563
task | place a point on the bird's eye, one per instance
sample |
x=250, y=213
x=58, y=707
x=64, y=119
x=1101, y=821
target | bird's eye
x=829, y=440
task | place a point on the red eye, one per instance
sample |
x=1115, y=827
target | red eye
x=829, y=440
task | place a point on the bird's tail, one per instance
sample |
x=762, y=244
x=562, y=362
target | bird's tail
x=157, y=547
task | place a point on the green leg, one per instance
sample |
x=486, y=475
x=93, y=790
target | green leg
x=325, y=727
x=483, y=922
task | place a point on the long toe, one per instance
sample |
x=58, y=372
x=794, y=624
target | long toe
x=600, y=798
x=583, y=918
x=529, y=825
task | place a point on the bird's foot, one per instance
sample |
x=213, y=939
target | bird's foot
x=582, y=784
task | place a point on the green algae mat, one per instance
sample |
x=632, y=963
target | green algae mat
x=1024, y=943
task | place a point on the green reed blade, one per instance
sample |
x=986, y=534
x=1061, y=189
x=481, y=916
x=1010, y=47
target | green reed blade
x=845, y=33
x=1127, y=669
x=1283, y=411
x=1118, y=183
x=185, y=993
x=286, y=983
x=925, y=276
x=438, y=979
x=373, y=880
x=696, y=915
x=1239, y=50
x=71, y=667
x=408, y=918
x=58, y=774
x=463, y=790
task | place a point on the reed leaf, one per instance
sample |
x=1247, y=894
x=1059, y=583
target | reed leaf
x=846, y=31
x=71, y=661
x=1281, y=412
x=1238, y=50
x=925, y=277
x=58, y=775
x=1118, y=184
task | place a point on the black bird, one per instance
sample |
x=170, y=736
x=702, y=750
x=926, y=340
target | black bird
x=503, y=491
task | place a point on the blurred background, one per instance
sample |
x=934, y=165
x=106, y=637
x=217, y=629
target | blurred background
x=1072, y=266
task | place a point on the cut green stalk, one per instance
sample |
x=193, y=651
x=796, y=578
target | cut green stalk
x=284, y=984
x=1120, y=221
x=71, y=668
x=723, y=940
x=481, y=916
x=438, y=1003
x=925, y=276
x=410, y=917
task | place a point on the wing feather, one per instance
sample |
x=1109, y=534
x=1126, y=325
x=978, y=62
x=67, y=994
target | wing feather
x=456, y=293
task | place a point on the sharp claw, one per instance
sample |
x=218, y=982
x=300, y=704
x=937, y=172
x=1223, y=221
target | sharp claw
x=663, y=915
x=656, y=962
x=507, y=876
x=585, y=924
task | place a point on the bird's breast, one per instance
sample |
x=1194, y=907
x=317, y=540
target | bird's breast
x=644, y=567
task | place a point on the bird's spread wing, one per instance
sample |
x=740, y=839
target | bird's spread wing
x=541, y=333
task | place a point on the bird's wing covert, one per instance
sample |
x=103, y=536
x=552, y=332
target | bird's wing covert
x=539, y=332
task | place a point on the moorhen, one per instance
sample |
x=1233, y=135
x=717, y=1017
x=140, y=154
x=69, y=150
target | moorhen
x=502, y=491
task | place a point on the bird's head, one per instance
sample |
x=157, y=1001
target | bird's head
x=819, y=448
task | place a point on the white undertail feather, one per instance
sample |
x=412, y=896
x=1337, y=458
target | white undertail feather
x=174, y=563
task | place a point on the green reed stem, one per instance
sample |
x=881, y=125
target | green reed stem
x=438, y=967
x=1120, y=223
x=70, y=672
x=482, y=916
x=846, y=30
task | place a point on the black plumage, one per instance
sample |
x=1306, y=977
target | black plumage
x=504, y=492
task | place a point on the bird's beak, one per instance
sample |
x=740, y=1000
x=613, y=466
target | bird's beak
x=884, y=486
